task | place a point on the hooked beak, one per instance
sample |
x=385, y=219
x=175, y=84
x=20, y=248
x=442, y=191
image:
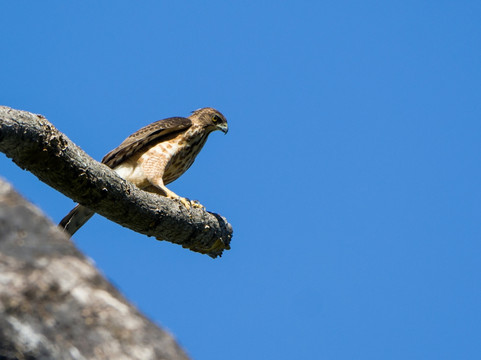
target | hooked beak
x=224, y=128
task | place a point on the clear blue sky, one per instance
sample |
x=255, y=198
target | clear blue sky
x=351, y=171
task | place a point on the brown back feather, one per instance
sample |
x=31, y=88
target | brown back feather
x=154, y=132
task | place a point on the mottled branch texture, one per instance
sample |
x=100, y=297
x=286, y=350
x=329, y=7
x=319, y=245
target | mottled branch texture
x=54, y=304
x=36, y=145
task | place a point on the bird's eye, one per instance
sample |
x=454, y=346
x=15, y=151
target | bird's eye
x=216, y=119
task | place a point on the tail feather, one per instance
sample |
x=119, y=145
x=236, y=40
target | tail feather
x=76, y=218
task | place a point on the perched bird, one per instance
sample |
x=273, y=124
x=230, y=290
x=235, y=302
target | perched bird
x=155, y=156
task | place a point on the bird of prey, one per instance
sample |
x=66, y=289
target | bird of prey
x=155, y=156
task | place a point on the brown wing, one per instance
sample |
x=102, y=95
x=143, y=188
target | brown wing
x=154, y=132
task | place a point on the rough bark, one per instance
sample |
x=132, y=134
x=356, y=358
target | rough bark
x=53, y=302
x=36, y=145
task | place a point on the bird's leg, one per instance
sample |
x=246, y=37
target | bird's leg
x=162, y=190
x=187, y=202
x=196, y=204
x=172, y=195
x=157, y=183
x=153, y=170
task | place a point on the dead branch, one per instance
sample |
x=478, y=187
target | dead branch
x=36, y=145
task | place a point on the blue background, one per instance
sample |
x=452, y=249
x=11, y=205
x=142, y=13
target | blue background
x=351, y=171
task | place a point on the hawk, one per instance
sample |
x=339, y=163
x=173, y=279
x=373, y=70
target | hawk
x=156, y=155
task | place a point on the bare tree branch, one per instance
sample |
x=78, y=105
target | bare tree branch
x=36, y=145
x=54, y=304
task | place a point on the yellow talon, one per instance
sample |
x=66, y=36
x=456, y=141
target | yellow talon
x=196, y=204
x=184, y=201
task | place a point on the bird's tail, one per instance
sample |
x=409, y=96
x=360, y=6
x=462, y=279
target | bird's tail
x=76, y=218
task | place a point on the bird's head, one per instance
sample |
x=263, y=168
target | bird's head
x=211, y=119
